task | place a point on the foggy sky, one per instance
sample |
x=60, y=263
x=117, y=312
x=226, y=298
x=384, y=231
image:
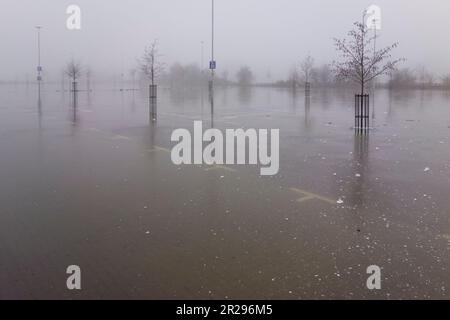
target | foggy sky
x=267, y=35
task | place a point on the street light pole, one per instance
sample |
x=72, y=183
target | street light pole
x=212, y=66
x=212, y=41
x=202, y=67
x=374, y=53
x=39, y=68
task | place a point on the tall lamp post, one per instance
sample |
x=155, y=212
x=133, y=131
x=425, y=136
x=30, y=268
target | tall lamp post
x=39, y=67
x=202, y=55
x=375, y=24
x=212, y=65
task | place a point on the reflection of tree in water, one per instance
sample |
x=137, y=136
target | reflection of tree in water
x=73, y=110
x=179, y=95
x=89, y=100
x=151, y=136
x=294, y=98
x=75, y=114
x=324, y=97
x=133, y=103
x=358, y=193
x=153, y=112
x=397, y=100
x=148, y=135
x=389, y=112
x=307, y=111
x=245, y=95
x=225, y=95
x=360, y=167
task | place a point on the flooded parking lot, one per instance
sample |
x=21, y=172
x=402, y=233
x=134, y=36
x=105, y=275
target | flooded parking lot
x=94, y=186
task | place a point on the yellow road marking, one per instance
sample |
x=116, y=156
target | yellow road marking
x=120, y=137
x=156, y=148
x=161, y=149
x=218, y=166
x=445, y=236
x=310, y=196
x=306, y=198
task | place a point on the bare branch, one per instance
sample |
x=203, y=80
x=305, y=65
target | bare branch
x=358, y=61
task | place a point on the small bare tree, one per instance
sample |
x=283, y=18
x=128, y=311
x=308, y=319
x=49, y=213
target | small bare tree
x=446, y=81
x=88, y=79
x=425, y=77
x=359, y=62
x=294, y=77
x=132, y=73
x=244, y=76
x=306, y=67
x=150, y=65
x=73, y=70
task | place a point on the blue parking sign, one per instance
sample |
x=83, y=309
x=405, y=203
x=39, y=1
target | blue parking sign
x=212, y=65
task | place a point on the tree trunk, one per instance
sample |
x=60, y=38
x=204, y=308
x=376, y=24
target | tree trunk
x=153, y=76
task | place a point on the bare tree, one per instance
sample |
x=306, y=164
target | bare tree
x=132, y=73
x=446, y=81
x=244, y=76
x=88, y=78
x=402, y=78
x=306, y=67
x=426, y=78
x=73, y=70
x=294, y=77
x=323, y=75
x=225, y=76
x=150, y=65
x=358, y=61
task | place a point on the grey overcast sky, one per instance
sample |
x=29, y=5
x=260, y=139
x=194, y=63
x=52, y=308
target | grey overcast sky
x=263, y=34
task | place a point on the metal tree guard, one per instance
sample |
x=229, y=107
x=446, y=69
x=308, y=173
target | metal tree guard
x=362, y=113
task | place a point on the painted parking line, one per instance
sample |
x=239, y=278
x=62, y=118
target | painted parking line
x=156, y=149
x=312, y=196
x=120, y=137
x=444, y=236
x=187, y=117
x=162, y=149
x=220, y=167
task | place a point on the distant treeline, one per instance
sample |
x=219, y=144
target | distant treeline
x=399, y=79
x=191, y=75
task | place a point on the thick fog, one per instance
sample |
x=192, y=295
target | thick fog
x=267, y=35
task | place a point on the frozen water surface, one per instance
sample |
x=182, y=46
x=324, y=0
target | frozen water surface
x=95, y=187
